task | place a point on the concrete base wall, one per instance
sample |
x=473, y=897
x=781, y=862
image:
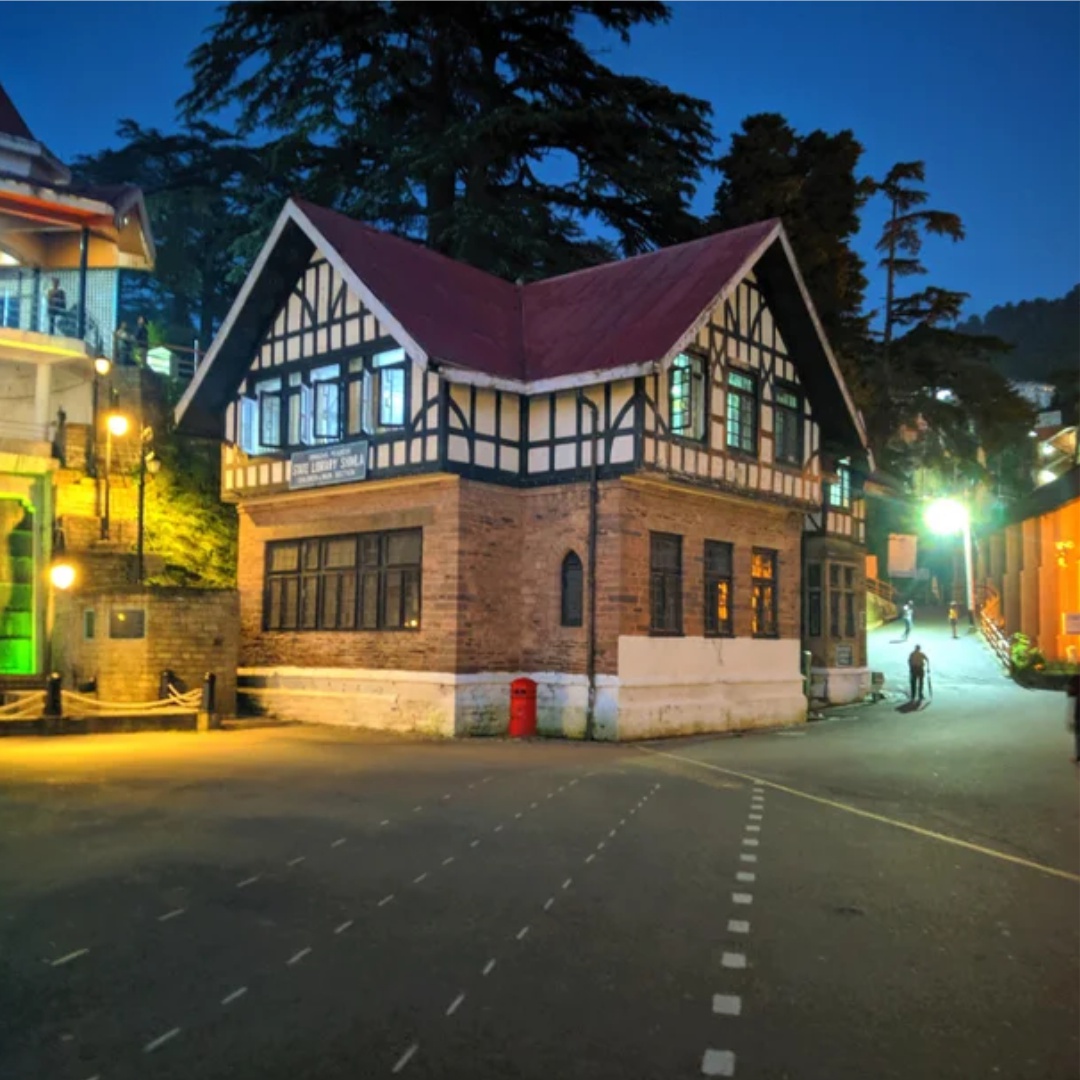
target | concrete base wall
x=839, y=686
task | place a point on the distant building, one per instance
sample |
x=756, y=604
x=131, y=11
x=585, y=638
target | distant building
x=62, y=247
x=416, y=450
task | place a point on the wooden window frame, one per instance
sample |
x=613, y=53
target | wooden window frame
x=715, y=580
x=745, y=402
x=572, y=591
x=791, y=414
x=765, y=604
x=692, y=368
x=665, y=585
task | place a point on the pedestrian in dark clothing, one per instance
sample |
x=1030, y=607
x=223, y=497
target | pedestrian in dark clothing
x=122, y=349
x=918, y=666
x=1073, y=721
x=909, y=619
x=142, y=340
x=954, y=616
x=55, y=303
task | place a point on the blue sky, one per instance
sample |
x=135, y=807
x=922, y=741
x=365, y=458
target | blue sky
x=987, y=94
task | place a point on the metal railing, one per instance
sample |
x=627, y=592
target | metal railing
x=995, y=638
x=881, y=588
x=24, y=305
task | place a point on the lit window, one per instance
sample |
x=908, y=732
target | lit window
x=742, y=412
x=686, y=396
x=763, y=593
x=718, y=573
x=840, y=489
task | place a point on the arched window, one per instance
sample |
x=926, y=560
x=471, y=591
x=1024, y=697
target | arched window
x=572, y=580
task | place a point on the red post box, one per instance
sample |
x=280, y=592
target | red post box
x=522, y=708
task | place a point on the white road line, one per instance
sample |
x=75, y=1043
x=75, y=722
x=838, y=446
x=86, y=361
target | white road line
x=70, y=956
x=563, y=788
x=297, y=861
x=385, y=900
x=747, y=857
x=566, y=883
x=745, y=875
x=733, y=960
x=454, y=1005
x=448, y=860
x=445, y=797
x=472, y=786
x=161, y=1040
x=522, y=932
x=228, y=999
x=343, y=927
x=611, y=834
x=417, y=880
x=405, y=1058
x=551, y=794
x=489, y=967
x=590, y=857
x=573, y=782
x=475, y=843
x=417, y=809
x=548, y=902
x=718, y=1063
x=622, y=821
x=533, y=806
x=590, y=774
x=338, y=842
x=742, y=898
x=753, y=828
x=738, y=926
x=297, y=957
x=727, y=1004
x=600, y=846
x=498, y=828
x=518, y=814
x=174, y=914
x=248, y=881
x=486, y=779
x=751, y=841
x=385, y=821
x=755, y=817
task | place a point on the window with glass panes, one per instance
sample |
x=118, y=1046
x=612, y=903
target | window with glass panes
x=572, y=592
x=718, y=573
x=787, y=426
x=742, y=412
x=665, y=583
x=763, y=586
x=686, y=396
x=841, y=600
x=361, y=581
x=813, y=600
x=840, y=489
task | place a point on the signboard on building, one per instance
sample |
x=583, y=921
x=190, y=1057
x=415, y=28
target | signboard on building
x=1072, y=622
x=903, y=550
x=328, y=465
x=844, y=656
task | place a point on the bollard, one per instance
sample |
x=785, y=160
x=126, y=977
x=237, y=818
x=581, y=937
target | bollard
x=54, y=704
x=165, y=683
x=206, y=719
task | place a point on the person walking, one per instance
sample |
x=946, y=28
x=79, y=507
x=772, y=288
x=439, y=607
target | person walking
x=954, y=617
x=918, y=666
x=908, y=613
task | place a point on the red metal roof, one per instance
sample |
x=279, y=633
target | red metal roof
x=11, y=123
x=628, y=312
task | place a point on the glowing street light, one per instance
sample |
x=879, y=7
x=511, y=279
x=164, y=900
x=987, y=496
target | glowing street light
x=62, y=575
x=947, y=517
x=115, y=424
x=102, y=365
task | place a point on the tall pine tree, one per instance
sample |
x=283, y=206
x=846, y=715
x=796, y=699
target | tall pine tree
x=486, y=129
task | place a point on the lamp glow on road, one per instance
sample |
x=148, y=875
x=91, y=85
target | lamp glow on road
x=62, y=575
x=946, y=517
x=117, y=424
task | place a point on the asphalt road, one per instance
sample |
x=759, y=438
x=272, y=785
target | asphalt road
x=878, y=895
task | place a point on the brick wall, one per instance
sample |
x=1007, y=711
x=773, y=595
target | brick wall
x=190, y=632
x=430, y=504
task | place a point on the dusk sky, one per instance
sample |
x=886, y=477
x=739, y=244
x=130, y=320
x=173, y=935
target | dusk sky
x=986, y=94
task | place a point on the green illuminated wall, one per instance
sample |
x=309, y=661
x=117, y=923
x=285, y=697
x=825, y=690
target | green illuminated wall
x=17, y=653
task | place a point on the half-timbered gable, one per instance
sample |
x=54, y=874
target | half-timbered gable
x=606, y=479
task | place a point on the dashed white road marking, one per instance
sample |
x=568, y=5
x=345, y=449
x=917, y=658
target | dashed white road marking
x=486, y=779
x=161, y=1040
x=385, y=821
x=745, y=875
x=742, y=898
x=518, y=814
x=727, y=1004
x=733, y=960
x=417, y=880
x=248, y=881
x=566, y=883
x=533, y=806
x=448, y=860
x=455, y=1005
x=228, y=999
x=385, y=900
x=174, y=914
x=417, y=809
x=755, y=817
x=589, y=858
x=297, y=957
x=611, y=834
x=573, y=782
x=471, y=786
x=747, y=857
x=297, y=861
x=489, y=967
x=405, y=1058
x=446, y=797
x=70, y=956
x=622, y=821
x=522, y=932
x=475, y=843
x=548, y=902
x=343, y=927
x=738, y=926
x=498, y=828
x=338, y=842
x=551, y=794
x=753, y=828
x=563, y=788
x=751, y=841
x=718, y=1063
x=600, y=846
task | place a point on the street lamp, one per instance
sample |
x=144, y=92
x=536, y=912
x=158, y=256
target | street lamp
x=947, y=517
x=116, y=424
x=61, y=577
x=148, y=463
x=102, y=367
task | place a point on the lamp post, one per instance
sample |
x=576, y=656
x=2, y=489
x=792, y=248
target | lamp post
x=947, y=517
x=61, y=577
x=116, y=424
x=102, y=367
x=147, y=464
